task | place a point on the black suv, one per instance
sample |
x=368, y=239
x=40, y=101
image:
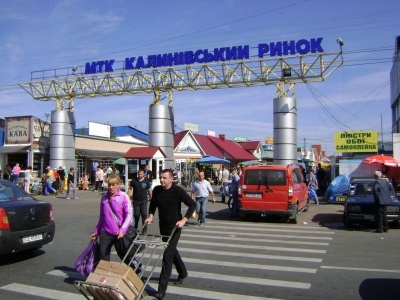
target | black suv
x=360, y=205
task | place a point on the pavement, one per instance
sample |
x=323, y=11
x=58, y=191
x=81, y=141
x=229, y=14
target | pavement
x=322, y=215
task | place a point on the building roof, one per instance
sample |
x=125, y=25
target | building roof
x=218, y=147
x=208, y=147
x=128, y=130
x=233, y=149
x=119, y=131
x=250, y=146
x=143, y=152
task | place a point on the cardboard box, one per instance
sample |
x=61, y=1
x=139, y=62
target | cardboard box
x=109, y=281
x=127, y=274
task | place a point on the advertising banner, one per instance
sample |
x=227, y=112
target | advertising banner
x=356, y=141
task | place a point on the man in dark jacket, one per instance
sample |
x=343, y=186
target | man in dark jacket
x=383, y=192
x=167, y=198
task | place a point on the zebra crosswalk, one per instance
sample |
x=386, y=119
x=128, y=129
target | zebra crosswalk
x=229, y=260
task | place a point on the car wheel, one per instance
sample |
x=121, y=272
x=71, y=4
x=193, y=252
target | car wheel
x=293, y=218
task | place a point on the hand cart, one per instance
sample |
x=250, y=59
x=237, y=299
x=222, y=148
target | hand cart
x=149, y=248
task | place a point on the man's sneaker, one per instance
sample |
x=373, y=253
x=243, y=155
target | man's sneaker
x=201, y=224
x=68, y=198
x=76, y=198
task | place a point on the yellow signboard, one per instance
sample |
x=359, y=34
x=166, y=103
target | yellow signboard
x=356, y=141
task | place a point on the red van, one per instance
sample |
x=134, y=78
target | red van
x=273, y=190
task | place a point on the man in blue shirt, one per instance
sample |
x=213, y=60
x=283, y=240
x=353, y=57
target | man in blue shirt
x=201, y=189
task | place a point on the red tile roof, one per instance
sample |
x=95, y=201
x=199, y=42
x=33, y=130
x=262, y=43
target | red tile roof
x=209, y=148
x=250, y=146
x=142, y=152
x=233, y=149
x=214, y=146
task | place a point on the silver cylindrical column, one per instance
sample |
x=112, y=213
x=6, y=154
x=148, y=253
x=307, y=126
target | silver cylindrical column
x=161, y=131
x=62, y=139
x=285, y=131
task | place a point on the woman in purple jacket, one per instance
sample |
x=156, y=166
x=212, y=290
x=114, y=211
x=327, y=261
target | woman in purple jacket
x=114, y=221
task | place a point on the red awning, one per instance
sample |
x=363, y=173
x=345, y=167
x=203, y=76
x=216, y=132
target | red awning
x=142, y=152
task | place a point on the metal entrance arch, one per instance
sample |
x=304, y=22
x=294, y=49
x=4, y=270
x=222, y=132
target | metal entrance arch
x=64, y=87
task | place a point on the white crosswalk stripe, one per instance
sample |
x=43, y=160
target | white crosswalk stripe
x=215, y=253
x=42, y=292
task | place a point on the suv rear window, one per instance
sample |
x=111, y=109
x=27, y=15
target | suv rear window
x=265, y=177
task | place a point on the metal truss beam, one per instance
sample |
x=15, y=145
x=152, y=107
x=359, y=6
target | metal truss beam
x=233, y=74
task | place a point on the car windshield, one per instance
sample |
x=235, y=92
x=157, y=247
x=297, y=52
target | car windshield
x=265, y=177
x=359, y=189
x=11, y=192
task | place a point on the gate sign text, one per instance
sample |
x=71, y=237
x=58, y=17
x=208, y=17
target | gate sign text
x=223, y=54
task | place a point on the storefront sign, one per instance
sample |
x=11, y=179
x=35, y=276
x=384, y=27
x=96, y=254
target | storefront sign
x=282, y=48
x=192, y=127
x=356, y=141
x=18, y=130
x=269, y=140
x=40, y=128
x=240, y=139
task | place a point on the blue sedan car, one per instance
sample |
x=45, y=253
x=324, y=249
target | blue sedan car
x=359, y=207
x=25, y=222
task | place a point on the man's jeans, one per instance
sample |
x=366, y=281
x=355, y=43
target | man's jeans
x=49, y=188
x=73, y=187
x=201, y=208
x=225, y=186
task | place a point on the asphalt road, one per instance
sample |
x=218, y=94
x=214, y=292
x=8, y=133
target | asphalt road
x=227, y=259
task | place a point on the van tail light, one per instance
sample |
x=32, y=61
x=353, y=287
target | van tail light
x=240, y=190
x=51, y=216
x=3, y=220
x=290, y=193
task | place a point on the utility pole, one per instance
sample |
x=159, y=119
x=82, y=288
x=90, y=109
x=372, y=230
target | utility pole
x=382, y=147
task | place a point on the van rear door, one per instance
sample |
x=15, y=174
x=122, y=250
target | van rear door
x=265, y=190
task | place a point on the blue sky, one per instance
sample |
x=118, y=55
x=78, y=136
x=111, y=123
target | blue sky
x=48, y=34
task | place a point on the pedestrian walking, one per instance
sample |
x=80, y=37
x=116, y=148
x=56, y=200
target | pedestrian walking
x=234, y=192
x=383, y=192
x=201, y=189
x=99, y=179
x=15, y=173
x=114, y=220
x=167, y=198
x=7, y=173
x=312, y=185
x=224, y=182
x=49, y=182
x=139, y=188
x=71, y=184
x=322, y=180
x=61, y=173
x=28, y=176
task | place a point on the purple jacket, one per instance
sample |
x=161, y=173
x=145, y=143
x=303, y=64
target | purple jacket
x=122, y=209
